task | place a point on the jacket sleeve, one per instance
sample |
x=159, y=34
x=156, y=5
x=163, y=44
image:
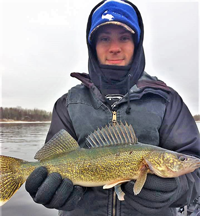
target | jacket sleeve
x=60, y=119
x=179, y=133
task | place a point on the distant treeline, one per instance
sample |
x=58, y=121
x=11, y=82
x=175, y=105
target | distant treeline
x=196, y=117
x=20, y=114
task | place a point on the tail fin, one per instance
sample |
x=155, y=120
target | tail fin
x=11, y=177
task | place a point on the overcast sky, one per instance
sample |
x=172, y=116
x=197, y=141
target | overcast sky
x=43, y=41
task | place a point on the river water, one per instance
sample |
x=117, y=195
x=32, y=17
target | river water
x=23, y=140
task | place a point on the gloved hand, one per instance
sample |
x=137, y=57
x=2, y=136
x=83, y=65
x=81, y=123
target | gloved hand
x=52, y=191
x=157, y=194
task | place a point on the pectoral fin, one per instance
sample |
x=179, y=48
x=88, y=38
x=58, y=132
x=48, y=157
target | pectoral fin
x=140, y=180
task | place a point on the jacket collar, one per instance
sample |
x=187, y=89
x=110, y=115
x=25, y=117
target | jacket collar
x=146, y=81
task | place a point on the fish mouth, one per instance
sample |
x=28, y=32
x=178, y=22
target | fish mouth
x=196, y=164
x=187, y=168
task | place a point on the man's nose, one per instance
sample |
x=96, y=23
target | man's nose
x=114, y=47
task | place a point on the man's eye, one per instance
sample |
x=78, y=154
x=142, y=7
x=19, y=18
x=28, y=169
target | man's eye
x=125, y=38
x=105, y=39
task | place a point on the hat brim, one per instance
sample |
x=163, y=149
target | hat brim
x=114, y=23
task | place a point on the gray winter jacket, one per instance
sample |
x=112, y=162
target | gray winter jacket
x=158, y=116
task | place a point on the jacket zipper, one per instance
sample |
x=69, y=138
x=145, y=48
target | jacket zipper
x=114, y=122
x=114, y=117
x=114, y=203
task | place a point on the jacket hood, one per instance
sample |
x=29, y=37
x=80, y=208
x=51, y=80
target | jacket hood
x=130, y=74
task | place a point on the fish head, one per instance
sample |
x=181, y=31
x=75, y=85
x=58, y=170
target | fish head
x=169, y=164
x=180, y=164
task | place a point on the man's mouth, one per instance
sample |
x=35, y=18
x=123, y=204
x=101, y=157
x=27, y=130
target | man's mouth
x=114, y=61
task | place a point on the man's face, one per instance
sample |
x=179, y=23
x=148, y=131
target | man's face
x=114, y=45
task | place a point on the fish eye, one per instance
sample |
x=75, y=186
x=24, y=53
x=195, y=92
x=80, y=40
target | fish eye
x=182, y=158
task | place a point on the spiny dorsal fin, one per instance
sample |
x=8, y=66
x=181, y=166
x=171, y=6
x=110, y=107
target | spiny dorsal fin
x=118, y=134
x=61, y=142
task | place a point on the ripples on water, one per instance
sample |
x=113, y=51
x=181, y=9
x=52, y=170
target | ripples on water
x=22, y=139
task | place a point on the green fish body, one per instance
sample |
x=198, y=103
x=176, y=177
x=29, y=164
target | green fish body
x=114, y=156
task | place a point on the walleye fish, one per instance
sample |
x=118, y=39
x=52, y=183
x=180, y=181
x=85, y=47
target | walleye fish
x=113, y=156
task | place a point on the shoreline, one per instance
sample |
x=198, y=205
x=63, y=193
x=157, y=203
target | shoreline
x=24, y=122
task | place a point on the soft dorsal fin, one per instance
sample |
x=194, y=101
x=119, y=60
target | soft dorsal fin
x=61, y=142
x=118, y=134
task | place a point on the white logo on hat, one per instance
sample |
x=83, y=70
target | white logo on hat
x=107, y=16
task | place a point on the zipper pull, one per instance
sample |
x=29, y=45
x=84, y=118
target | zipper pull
x=114, y=117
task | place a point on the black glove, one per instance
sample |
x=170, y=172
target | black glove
x=157, y=194
x=52, y=191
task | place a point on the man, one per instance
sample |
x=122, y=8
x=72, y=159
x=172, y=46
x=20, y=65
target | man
x=118, y=89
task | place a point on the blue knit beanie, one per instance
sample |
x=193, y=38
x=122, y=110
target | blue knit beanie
x=115, y=12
